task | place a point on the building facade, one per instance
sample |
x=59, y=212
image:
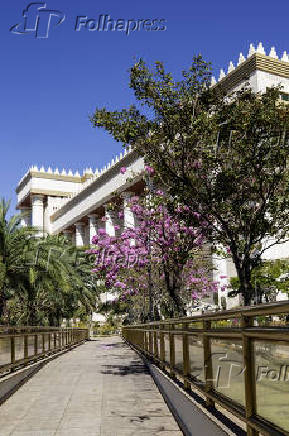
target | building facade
x=74, y=205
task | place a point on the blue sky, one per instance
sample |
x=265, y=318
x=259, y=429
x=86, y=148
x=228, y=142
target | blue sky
x=49, y=86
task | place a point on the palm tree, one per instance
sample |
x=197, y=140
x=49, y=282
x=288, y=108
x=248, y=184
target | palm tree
x=42, y=279
x=61, y=282
x=13, y=243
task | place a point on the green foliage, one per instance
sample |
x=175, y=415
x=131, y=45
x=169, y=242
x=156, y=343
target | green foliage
x=269, y=277
x=42, y=280
x=105, y=329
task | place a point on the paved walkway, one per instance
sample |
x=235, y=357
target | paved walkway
x=100, y=388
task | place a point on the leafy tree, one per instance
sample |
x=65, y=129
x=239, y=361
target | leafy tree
x=224, y=156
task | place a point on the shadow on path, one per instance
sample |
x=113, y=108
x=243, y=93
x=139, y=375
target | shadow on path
x=132, y=367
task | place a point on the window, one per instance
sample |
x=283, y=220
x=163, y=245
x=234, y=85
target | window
x=284, y=97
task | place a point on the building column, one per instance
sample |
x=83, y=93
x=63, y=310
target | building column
x=25, y=216
x=80, y=234
x=110, y=222
x=128, y=218
x=100, y=224
x=68, y=234
x=220, y=276
x=92, y=227
x=38, y=212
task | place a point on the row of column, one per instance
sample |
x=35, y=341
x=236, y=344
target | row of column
x=84, y=234
x=35, y=216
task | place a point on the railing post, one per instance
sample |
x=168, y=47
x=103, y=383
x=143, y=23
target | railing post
x=162, y=346
x=186, y=356
x=12, y=349
x=35, y=345
x=208, y=364
x=25, y=347
x=142, y=339
x=249, y=374
x=172, y=350
x=54, y=340
x=139, y=339
x=151, y=345
x=49, y=341
x=43, y=343
x=156, y=351
x=145, y=340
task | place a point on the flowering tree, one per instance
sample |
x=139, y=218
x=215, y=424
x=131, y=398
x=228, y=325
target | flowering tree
x=163, y=253
x=224, y=157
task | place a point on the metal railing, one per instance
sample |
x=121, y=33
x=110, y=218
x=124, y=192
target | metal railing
x=238, y=359
x=20, y=346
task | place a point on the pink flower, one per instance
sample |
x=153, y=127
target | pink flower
x=135, y=199
x=197, y=164
x=95, y=239
x=123, y=170
x=120, y=285
x=149, y=169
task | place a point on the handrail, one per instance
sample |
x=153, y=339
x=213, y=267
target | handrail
x=35, y=328
x=22, y=345
x=149, y=339
x=259, y=310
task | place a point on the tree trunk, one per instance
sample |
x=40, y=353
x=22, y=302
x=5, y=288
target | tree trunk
x=2, y=304
x=31, y=319
x=246, y=288
x=52, y=319
x=179, y=305
x=31, y=312
x=173, y=290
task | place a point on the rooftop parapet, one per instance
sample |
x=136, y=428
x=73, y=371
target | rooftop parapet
x=69, y=175
x=65, y=183
x=257, y=59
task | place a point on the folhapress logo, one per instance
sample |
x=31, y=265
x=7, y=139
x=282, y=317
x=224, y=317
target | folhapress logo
x=38, y=20
x=105, y=23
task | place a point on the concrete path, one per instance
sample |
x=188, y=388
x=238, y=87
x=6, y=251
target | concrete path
x=100, y=388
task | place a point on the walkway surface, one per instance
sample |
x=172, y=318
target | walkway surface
x=100, y=388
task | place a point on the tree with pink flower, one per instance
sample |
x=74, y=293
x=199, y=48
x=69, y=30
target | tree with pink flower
x=164, y=250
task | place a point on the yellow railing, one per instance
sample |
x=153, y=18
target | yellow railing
x=238, y=359
x=23, y=345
